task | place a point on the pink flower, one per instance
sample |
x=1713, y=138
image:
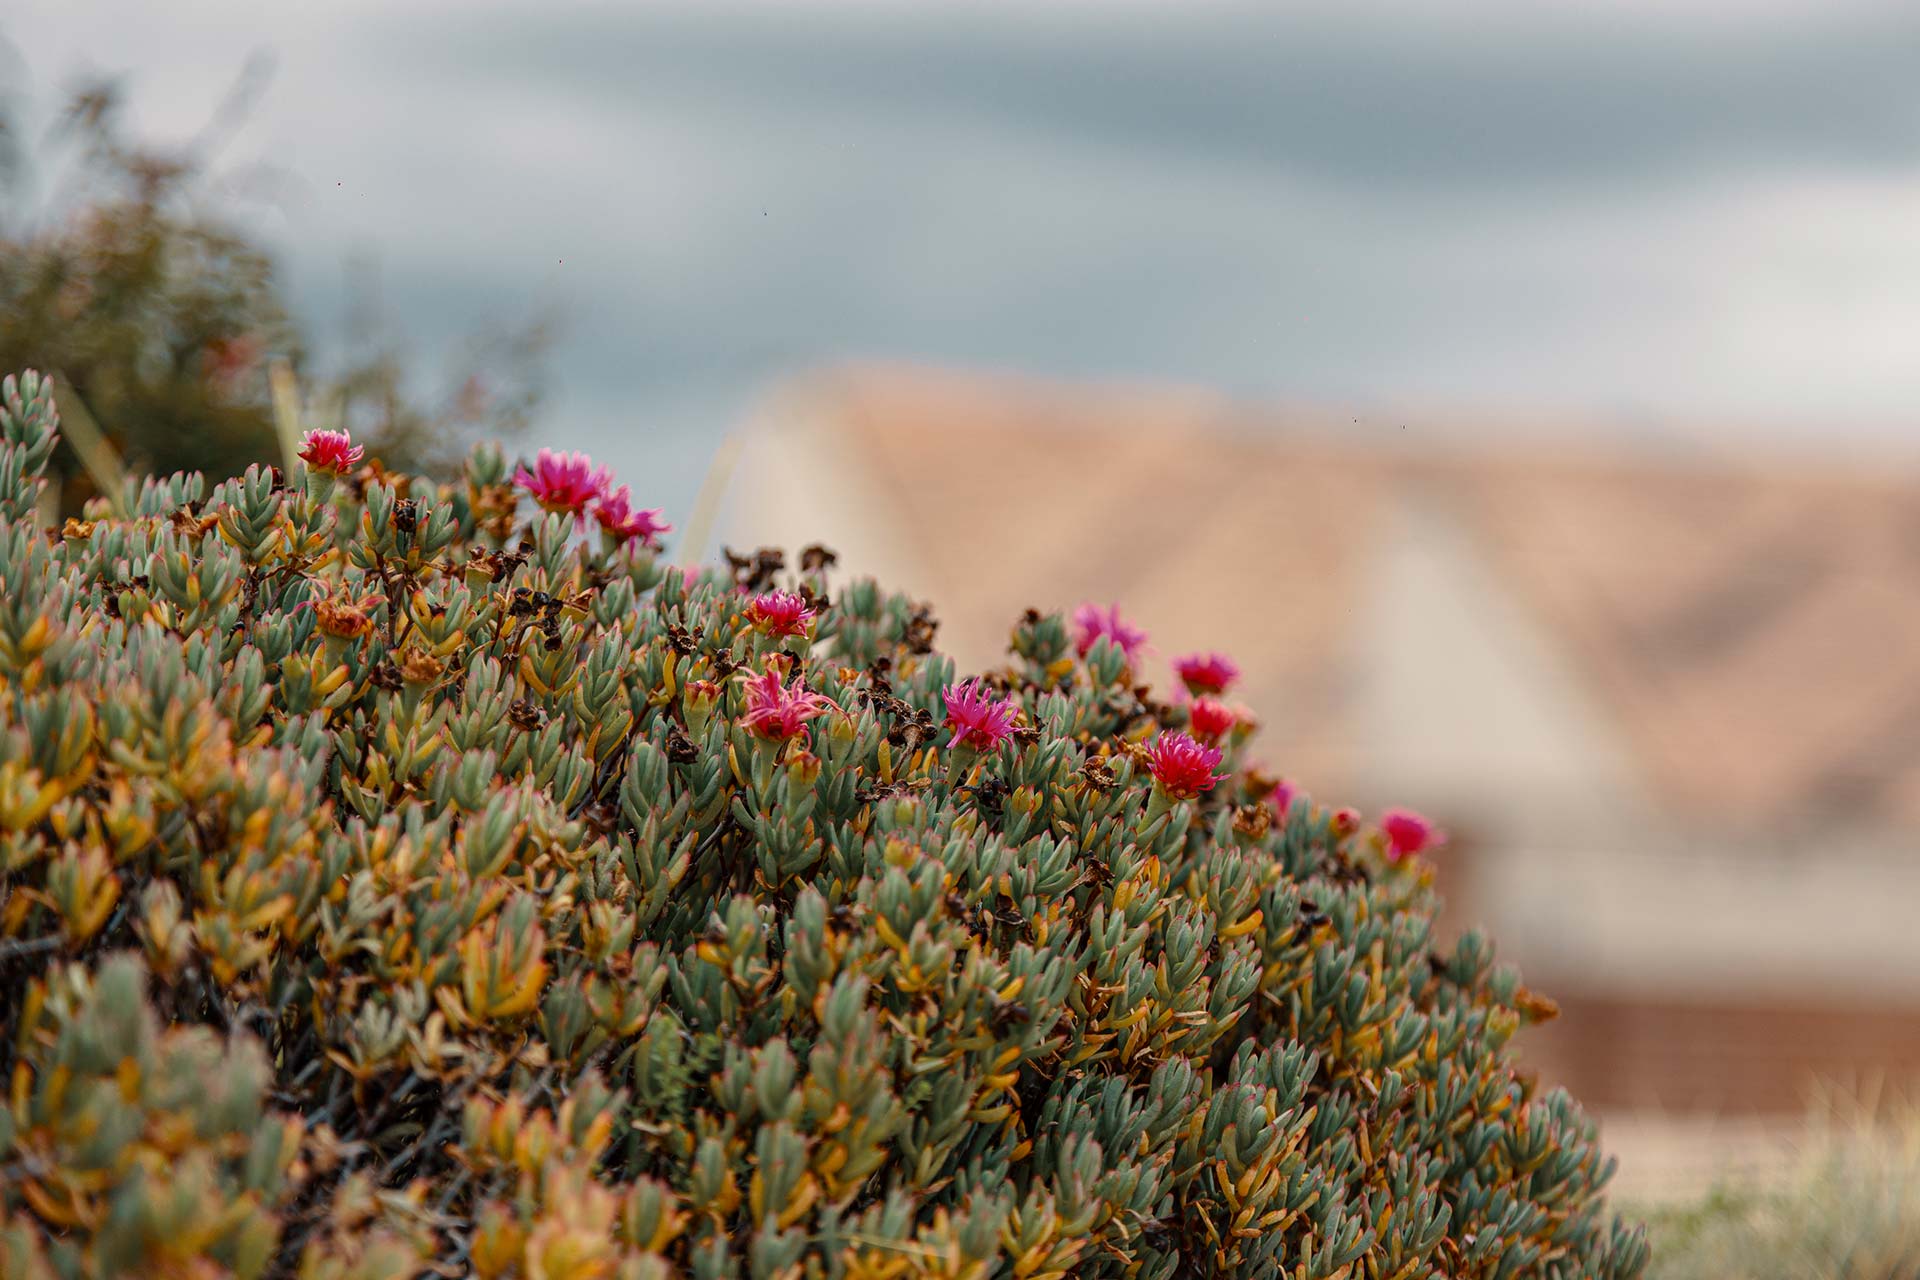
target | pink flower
x=1408, y=833
x=1091, y=623
x=777, y=710
x=1282, y=796
x=781, y=613
x=976, y=717
x=616, y=515
x=332, y=451
x=1205, y=673
x=1210, y=720
x=1345, y=822
x=564, y=481
x=1183, y=768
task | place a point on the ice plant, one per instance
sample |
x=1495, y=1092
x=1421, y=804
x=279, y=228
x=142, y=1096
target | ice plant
x=1091, y=624
x=977, y=718
x=1282, y=796
x=343, y=618
x=781, y=613
x=1206, y=673
x=1210, y=720
x=563, y=481
x=616, y=515
x=487, y=916
x=1183, y=767
x=1408, y=833
x=332, y=451
x=778, y=709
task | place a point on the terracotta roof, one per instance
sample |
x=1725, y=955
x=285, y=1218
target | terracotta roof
x=1753, y=629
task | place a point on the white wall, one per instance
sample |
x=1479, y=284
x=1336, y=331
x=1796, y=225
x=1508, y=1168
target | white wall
x=1465, y=698
x=1472, y=712
x=798, y=482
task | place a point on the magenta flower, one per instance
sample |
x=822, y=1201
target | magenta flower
x=1210, y=720
x=1206, y=673
x=616, y=515
x=332, y=451
x=1282, y=796
x=1091, y=623
x=778, y=710
x=1409, y=833
x=564, y=481
x=1183, y=768
x=781, y=613
x=976, y=717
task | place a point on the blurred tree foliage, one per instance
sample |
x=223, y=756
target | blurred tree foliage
x=137, y=284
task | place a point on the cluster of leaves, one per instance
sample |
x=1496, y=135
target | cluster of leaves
x=391, y=880
x=163, y=313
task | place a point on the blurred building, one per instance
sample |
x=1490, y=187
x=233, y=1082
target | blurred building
x=1668, y=705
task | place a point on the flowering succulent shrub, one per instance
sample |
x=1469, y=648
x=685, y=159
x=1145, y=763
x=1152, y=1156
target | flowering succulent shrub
x=402, y=877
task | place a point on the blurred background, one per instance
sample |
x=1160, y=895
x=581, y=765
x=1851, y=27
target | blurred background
x=1527, y=396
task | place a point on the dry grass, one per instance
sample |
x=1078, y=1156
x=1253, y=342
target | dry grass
x=1847, y=1207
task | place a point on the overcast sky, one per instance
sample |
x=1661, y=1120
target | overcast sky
x=1666, y=213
